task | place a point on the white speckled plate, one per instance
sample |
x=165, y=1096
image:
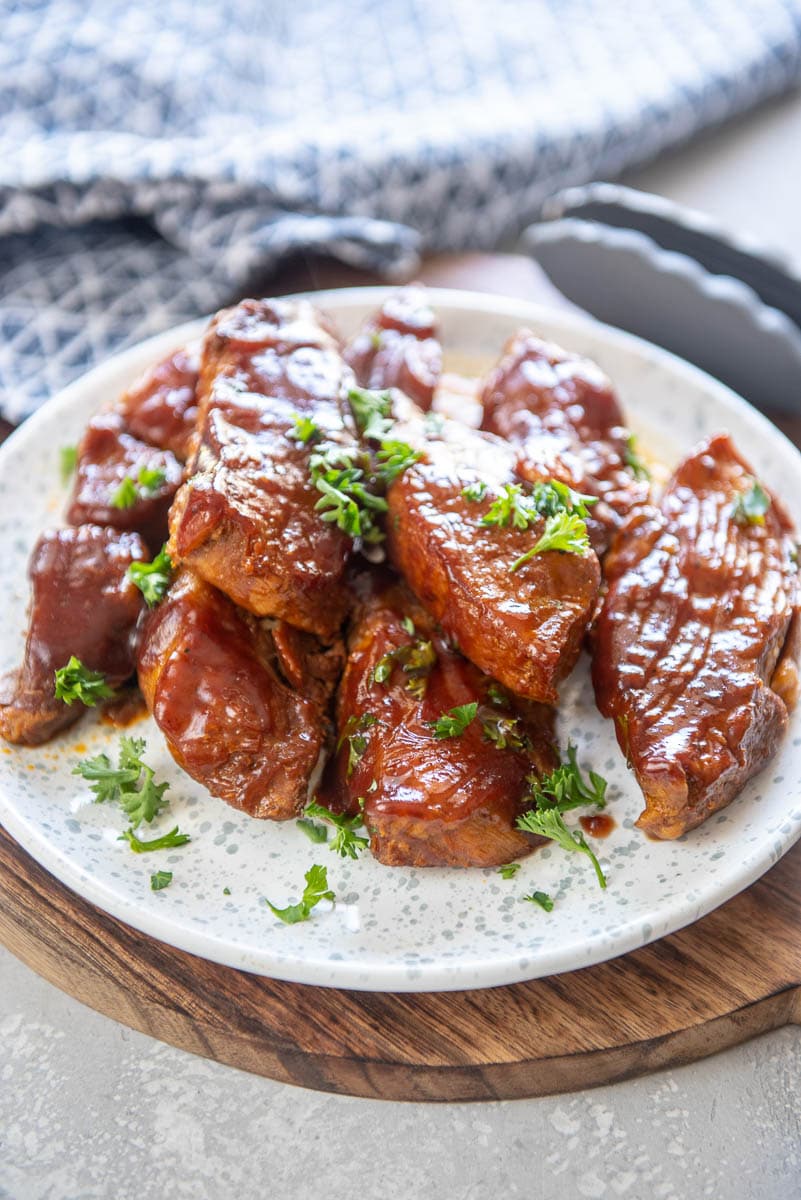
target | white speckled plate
x=393, y=929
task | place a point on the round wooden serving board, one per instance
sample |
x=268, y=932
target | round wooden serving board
x=731, y=976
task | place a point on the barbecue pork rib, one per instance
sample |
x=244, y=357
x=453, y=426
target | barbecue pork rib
x=559, y=410
x=245, y=520
x=398, y=347
x=695, y=651
x=161, y=407
x=110, y=457
x=428, y=801
x=83, y=604
x=523, y=627
x=210, y=677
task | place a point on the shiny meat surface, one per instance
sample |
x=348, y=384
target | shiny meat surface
x=561, y=413
x=695, y=650
x=524, y=627
x=208, y=675
x=82, y=604
x=161, y=408
x=245, y=520
x=399, y=347
x=429, y=802
x=107, y=456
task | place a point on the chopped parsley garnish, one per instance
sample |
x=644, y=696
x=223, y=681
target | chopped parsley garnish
x=474, y=492
x=314, y=831
x=354, y=734
x=346, y=842
x=511, y=508
x=566, y=788
x=150, y=480
x=160, y=880
x=393, y=459
x=168, y=841
x=77, y=682
x=372, y=412
x=226, y=891
x=509, y=870
x=316, y=889
x=503, y=731
x=130, y=784
x=126, y=495
x=346, y=499
x=563, y=509
x=305, y=430
x=454, y=722
x=146, y=484
x=152, y=578
x=416, y=659
x=496, y=694
x=750, y=507
x=632, y=459
x=565, y=532
x=68, y=461
x=541, y=898
x=408, y=625
x=548, y=823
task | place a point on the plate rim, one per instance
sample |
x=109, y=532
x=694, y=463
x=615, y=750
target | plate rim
x=621, y=937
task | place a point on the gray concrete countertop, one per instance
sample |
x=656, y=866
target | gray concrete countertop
x=89, y=1109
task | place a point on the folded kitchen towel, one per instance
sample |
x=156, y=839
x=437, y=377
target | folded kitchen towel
x=154, y=155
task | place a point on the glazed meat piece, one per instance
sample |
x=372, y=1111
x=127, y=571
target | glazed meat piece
x=562, y=414
x=696, y=645
x=399, y=347
x=83, y=604
x=161, y=408
x=524, y=626
x=429, y=801
x=209, y=676
x=123, y=482
x=245, y=521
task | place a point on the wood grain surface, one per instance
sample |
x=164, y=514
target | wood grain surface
x=731, y=976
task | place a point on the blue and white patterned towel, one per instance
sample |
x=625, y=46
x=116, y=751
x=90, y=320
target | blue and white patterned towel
x=154, y=154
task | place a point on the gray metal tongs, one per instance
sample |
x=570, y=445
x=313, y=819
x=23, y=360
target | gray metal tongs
x=672, y=276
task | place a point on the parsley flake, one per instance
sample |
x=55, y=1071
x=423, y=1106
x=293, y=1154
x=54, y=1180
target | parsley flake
x=393, y=459
x=146, y=485
x=68, y=461
x=509, y=870
x=372, y=412
x=345, y=498
x=152, y=578
x=77, y=682
x=160, y=880
x=474, y=492
x=354, y=734
x=632, y=459
x=548, y=823
x=168, y=841
x=503, y=731
x=314, y=832
x=416, y=659
x=566, y=788
x=565, y=532
x=316, y=889
x=750, y=507
x=130, y=784
x=346, y=842
x=126, y=495
x=541, y=898
x=454, y=722
x=305, y=430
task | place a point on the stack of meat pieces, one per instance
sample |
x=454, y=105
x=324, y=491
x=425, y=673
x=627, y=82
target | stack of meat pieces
x=281, y=664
